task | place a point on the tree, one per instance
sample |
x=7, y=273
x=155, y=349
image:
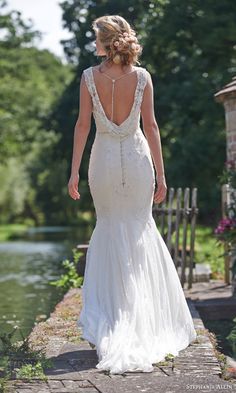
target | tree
x=31, y=80
x=190, y=47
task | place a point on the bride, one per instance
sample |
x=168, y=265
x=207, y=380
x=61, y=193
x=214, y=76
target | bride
x=134, y=310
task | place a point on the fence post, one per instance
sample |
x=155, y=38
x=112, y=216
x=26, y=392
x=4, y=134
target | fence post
x=194, y=211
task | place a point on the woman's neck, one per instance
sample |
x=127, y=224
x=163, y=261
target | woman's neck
x=107, y=64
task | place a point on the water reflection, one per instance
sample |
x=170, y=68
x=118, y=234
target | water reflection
x=26, y=267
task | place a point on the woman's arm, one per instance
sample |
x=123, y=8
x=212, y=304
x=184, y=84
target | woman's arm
x=81, y=132
x=152, y=133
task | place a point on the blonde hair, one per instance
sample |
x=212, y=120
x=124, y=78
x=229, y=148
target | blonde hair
x=118, y=39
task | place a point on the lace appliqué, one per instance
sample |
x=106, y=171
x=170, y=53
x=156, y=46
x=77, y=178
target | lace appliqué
x=121, y=132
x=125, y=128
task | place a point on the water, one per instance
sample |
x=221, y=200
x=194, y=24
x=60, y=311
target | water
x=26, y=268
x=222, y=328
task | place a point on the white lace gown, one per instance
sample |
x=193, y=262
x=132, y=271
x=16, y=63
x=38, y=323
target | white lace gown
x=133, y=305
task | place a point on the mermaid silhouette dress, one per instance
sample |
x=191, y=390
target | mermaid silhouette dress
x=133, y=306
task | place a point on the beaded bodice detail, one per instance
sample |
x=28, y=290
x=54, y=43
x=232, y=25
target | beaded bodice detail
x=105, y=125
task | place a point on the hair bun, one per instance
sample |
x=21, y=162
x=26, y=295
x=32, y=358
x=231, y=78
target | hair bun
x=118, y=39
x=125, y=42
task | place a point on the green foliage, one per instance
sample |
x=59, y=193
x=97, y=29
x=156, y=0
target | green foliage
x=17, y=32
x=14, y=189
x=29, y=371
x=169, y=356
x=4, y=372
x=226, y=229
x=70, y=279
x=28, y=92
x=12, y=354
x=208, y=250
x=191, y=58
x=31, y=80
x=232, y=338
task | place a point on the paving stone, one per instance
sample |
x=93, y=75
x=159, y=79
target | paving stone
x=70, y=376
x=71, y=347
x=84, y=384
x=27, y=387
x=62, y=370
x=70, y=385
x=74, y=370
x=60, y=390
x=165, y=384
x=33, y=389
x=55, y=384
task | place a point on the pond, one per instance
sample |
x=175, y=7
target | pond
x=27, y=266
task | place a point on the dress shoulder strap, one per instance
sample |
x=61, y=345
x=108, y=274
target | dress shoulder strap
x=88, y=75
x=88, y=80
x=143, y=75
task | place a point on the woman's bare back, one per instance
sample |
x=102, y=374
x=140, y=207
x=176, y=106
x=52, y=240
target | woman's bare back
x=123, y=93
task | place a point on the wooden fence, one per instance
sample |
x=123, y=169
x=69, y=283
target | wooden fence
x=175, y=215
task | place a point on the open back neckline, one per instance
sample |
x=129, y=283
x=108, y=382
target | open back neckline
x=100, y=104
x=119, y=77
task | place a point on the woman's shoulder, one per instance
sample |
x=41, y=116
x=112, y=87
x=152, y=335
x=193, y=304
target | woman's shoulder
x=145, y=75
x=143, y=70
x=85, y=70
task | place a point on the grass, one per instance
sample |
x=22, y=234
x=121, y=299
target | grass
x=12, y=231
x=206, y=249
x=19, y=361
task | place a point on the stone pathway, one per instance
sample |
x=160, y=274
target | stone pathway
x=196, y=368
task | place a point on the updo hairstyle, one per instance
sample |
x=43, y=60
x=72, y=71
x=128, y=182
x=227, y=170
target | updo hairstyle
x=118, y=39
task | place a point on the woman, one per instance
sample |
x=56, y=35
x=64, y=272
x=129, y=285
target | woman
x=134, y=309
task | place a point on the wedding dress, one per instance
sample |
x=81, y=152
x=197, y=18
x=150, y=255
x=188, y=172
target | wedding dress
x=133, y=306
